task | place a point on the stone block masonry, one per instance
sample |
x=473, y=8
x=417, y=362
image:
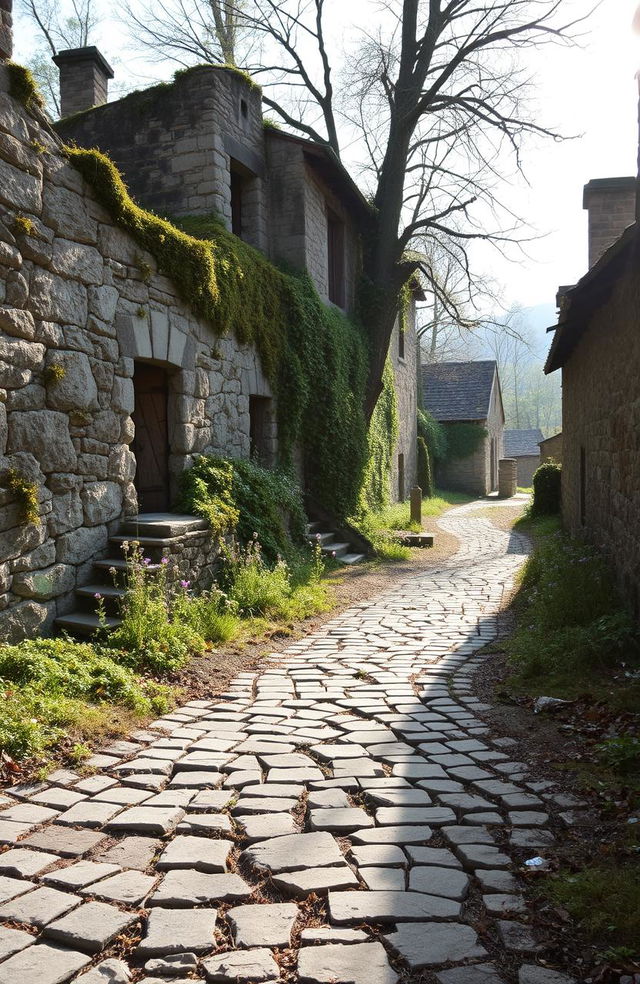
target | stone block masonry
x=81, y=307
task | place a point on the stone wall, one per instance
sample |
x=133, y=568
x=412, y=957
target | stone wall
x=527, y=466
x=601, y=427
x=175, y=143
x=551, y=449
x=611, y=203
x=468, y=474
x=74, y=294
x=6, y=22
x=406, y=373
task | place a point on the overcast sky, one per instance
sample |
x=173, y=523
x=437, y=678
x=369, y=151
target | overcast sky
x=589, y=92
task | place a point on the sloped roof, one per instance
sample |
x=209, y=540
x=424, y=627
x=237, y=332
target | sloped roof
x=458, y=390
x=521, y=443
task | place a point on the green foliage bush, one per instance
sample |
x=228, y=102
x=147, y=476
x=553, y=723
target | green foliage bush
x=547, y=481
x=314, y=357
x=23, y=86
x=47, y=685
x=463, y=439
x=243, y=498
x=572, y=622
x=433, y=434
x=383, y=434
x=425, y=477
x=282, y=591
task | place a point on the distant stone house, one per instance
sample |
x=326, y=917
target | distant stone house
x=597, y=346
x=551, y=449
x=523, y=445
x=467, y=393
x=109, y=383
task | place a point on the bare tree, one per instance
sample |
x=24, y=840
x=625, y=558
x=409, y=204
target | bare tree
x=58, y=26
x=185, y=31
x=434, y=94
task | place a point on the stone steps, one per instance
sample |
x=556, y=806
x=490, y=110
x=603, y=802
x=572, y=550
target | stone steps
x=85, y=623
x=331, y=546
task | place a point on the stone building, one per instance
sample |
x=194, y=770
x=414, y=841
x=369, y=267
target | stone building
x=109, y=383
x=523, y=445
x=551, y=449
x=597, y=346
x=467, y=393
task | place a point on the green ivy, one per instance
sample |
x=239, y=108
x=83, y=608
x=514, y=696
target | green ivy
x=23, y=86
x=241, y=497
x=383, y=434
x=464, y=439
x=425, y=474
x=314, y=358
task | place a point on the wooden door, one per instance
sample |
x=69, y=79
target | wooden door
x=151, y=442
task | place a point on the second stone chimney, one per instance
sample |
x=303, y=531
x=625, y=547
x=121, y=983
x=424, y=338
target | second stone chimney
x=84, y=79
x=611, y=203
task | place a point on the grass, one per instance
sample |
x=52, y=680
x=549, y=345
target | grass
x=605, y=901
x=380, y=526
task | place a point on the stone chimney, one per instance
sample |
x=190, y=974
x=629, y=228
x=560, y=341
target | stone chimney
x=611, y=203
x=84, y=79
x=6, y=32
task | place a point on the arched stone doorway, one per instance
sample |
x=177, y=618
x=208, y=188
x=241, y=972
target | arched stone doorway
x=151, y=441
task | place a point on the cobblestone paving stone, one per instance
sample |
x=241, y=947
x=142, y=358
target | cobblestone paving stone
x=355, y=766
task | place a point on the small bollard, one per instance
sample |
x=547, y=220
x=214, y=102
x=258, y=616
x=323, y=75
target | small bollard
x=416, y=505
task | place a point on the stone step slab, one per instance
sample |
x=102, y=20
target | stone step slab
x=90, y=927
x=242, y=966
x=178, y=931
x=263, y=925
x=294, y=853
x=349, y=907
x=45, y=963
x=357, y=963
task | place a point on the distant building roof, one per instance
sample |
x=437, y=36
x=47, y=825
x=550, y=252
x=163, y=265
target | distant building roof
x=554, y=437
x=458, y=390
x=522, y=443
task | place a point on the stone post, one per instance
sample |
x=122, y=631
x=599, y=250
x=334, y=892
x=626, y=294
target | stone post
x=6, y=29
x=507, y=477
x=84, y=79
x=416, y=505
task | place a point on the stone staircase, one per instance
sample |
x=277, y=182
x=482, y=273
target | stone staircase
x=159, y=535
x=332, y=545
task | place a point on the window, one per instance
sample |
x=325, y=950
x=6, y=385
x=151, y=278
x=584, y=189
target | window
x=583, y=487
x=237, y=190
x=335, y=250
x=260, y=429
x=400, y=341
x=244, y=108
x=401, y=495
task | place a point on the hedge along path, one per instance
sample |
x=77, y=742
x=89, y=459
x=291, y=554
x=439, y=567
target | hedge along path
x=344, y=815
x=314, y=357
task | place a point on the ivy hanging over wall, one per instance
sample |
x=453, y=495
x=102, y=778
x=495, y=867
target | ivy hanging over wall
x=464, y=439
x=314, y=358
x=383, y=434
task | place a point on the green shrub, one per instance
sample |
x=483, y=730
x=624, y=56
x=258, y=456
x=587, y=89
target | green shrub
x=49, y=684
x=27, y=495
x=425, y=477
x=434, y=435
x=463, y=440
x=242, y=497
x=210, y=614
x=547, y=489
x=150, y=636
x=280, y=591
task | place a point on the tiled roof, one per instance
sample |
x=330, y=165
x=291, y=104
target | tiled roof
x=458, y=390
x=519, y=443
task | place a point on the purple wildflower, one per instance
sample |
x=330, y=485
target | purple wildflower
x=185, y=584
x=146, y=561
x=164, y=560
x=98, y=596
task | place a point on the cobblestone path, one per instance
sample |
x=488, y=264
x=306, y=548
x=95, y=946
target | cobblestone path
x=343, y=817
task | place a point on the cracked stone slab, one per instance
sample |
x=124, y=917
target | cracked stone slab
x=38, y=908
x=267, y=826
x=346, y=907
x=263, y=925
x=328, y=799
x=393, y=835
x=199, y=853
x=535, y=974
x=186, y=888
x=383, y=879
x=205, y=823
x=130, y=887
x=45, y=963
x=430, y=944
x=247, y=805
x=24, y=863
x=172, y=964
x=107, y=972
x=132, y=852
x=447, y=882
x=63, y=841
x=13, y=941
x=379, y=856
x=482, y=856
x=517, y=937
x=147, y=820
x=318, y=880
x=11, y=888
x=81, y=874
x=294, y=853
x=340, y=821
x=332, y=934
x=90, y=927
x=242, y=966
x=436, y=816
x=437, y=856
x=178, y=931
x=477, y=974
x=356, y=963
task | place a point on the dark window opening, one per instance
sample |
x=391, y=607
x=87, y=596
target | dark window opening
x=401, y=495
x=241, y=181
x=335, y=248
x=260, y=428
x=401, y=342
x=583, y=487
x=244, y=109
